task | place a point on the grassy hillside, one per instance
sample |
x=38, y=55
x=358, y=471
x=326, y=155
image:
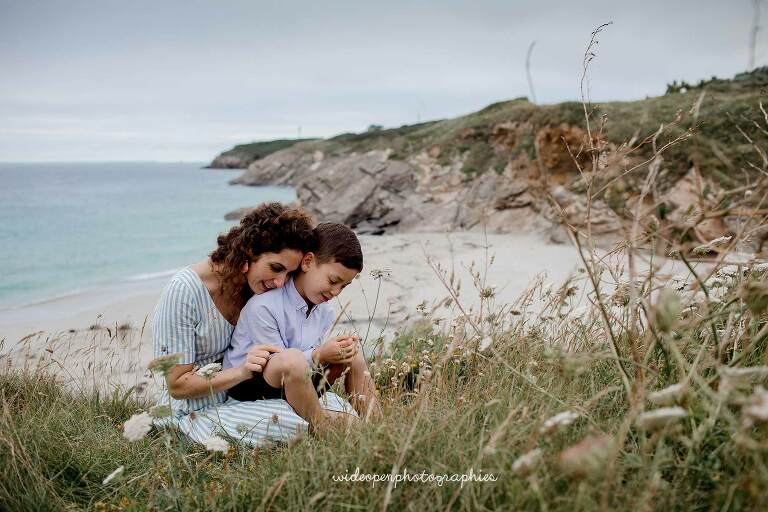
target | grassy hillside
x=566, y=409
x=718, y=148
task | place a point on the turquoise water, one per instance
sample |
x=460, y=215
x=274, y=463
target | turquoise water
x=69, y=227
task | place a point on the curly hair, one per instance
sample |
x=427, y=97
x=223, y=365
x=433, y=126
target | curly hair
x=270, y=227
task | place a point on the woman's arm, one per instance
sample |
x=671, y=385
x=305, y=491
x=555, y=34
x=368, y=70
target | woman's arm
x=184, y=383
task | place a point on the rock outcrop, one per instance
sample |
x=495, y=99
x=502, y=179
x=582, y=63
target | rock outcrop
x=240, y=157
x=375, y=194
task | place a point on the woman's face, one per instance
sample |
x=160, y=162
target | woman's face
x=271, y=269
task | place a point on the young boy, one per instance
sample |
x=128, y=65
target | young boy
x=280, y=333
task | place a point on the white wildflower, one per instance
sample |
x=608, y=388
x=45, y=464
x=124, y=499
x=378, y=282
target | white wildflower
x=715, y=283
x=669, y=395
x=559, y=420
x=137, y=426
x=115, y=474
x=216, y=444
x=378, y=273
x=484, y=343
x=525, y=464
x=756, y=410
x=728, y=271
x=659, y=418
x=209, y=370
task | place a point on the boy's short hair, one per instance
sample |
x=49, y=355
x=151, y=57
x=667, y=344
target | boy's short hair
x=337, y=242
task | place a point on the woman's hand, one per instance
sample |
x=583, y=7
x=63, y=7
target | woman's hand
x=337, y=350
x=257, y=357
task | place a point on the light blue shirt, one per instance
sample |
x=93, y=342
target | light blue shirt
x=279, y=317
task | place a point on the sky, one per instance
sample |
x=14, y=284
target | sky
x=184, y=80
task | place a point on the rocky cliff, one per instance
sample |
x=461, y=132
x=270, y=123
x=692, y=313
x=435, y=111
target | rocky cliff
x=241, y=156
x=515, y=166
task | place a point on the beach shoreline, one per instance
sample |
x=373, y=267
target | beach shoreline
x=108, y=330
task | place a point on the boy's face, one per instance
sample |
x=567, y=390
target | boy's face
x=320, y=282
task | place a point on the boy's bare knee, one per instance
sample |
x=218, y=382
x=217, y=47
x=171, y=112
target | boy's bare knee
x=292, y=362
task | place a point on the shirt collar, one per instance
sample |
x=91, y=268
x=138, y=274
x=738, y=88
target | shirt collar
x=294, y=296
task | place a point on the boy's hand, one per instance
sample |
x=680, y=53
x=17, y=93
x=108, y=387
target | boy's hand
x=338, y=349
x=257, y=357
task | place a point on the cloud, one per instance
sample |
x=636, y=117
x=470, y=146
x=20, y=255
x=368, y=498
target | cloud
x=177, y=79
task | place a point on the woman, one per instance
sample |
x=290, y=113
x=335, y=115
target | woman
x=196, y=315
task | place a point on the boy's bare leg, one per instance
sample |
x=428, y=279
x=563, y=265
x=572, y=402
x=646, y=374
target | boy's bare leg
x=289, y=369
x=359, y=385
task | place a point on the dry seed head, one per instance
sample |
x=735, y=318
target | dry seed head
x=527, y=463
x=163, y=364
x=668, y=310
x=669, y=395
x=738, y=378
x=587, y=458
x=560, y=420
x=756, y=409
x=660, y=418
x=755, y=295
x=113, y=475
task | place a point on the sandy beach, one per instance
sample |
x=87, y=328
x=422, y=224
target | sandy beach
x=104, y=336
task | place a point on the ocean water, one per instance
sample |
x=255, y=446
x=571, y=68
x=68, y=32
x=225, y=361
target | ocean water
x=70, y=227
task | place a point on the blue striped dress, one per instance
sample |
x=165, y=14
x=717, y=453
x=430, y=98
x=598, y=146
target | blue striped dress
x=187, y=321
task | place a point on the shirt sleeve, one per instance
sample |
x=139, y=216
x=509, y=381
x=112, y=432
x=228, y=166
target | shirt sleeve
x=257, y=325
x=174, y=321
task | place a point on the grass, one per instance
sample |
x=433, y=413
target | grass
x=450, y=407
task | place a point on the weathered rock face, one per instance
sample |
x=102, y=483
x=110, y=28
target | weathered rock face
x=375, y=194
x=428, y=192
x=557, y=157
